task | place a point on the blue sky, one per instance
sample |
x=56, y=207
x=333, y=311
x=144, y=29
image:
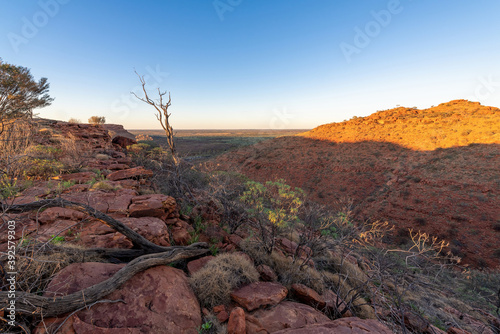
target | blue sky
x=254, y=63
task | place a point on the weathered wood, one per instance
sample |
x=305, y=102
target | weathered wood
x=150, y=255
x=32, y=304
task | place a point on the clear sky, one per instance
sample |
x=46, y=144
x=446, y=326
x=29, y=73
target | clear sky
x=254, y=63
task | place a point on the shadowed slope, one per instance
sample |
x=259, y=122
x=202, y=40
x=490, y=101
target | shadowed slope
x=452, y=193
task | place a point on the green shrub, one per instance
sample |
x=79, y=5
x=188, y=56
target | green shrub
x=214, y=282
x=275, y=205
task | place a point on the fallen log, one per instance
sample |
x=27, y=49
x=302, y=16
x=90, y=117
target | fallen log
x=31, y=304
x=146, y=256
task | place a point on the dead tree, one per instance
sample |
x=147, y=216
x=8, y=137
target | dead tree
x=162, y=115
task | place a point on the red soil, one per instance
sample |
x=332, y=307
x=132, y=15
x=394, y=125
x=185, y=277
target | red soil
x=436, y=170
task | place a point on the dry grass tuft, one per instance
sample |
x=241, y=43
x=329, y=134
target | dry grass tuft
x=213, y=283
x=288, y=271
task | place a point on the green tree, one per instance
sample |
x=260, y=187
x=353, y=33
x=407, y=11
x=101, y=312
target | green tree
x=20, y=93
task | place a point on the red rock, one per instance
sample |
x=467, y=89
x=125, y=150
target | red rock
x=236, y=323
x=195, y=265
x=151, y=228
x=128, y=184
x=308, y=296
x=82, y=177
x=180, y=232
x=284, y=315
x=259, y=294
x=105, y=202
x=123, y=141
x=221, y=313
x=52, y=214
x=158, y=300
x=111, y=240
x=290, y=247
x=335, y=305
x=155, y=205
x=171, y=221
x=135, y=172
x=101, y=235
x=235, y=239
x=59, y=228
x=416, y=323
x=117, y=166
x=219, y=308
x=23, y=227
x=77, y=188
x=266, y=273
x=124, y=160
x=341, y=326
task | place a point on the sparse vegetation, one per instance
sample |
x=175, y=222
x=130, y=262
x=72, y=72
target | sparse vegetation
x=97, y=120
x=214, y=282
x=275, y=206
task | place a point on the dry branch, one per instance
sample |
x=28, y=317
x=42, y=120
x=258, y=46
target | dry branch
x=32, y=304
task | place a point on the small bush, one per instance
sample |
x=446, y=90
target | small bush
x=74, y=121
x=143, y=137
x=288, y=271
x=45, y=168
x=214, y=282
x=96, y=120
x=104, y=185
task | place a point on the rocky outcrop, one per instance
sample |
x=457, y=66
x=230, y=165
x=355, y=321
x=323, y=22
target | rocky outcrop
x=158, y=300
x=308, y=296
x=123, y=142
x=259, y=294
x=155, y=205
x=341, y=326
x=136, y=172
x=284, y=315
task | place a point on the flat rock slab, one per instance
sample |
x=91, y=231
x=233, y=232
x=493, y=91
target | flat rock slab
x=158, y=300
x=130, y=173
x=351, y=325
x=258, y=294
x=284, y=315
x=114, y=202
x=308, y=296
x=155, y=205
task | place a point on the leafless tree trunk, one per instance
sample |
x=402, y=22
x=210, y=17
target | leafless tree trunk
x=162, y=115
